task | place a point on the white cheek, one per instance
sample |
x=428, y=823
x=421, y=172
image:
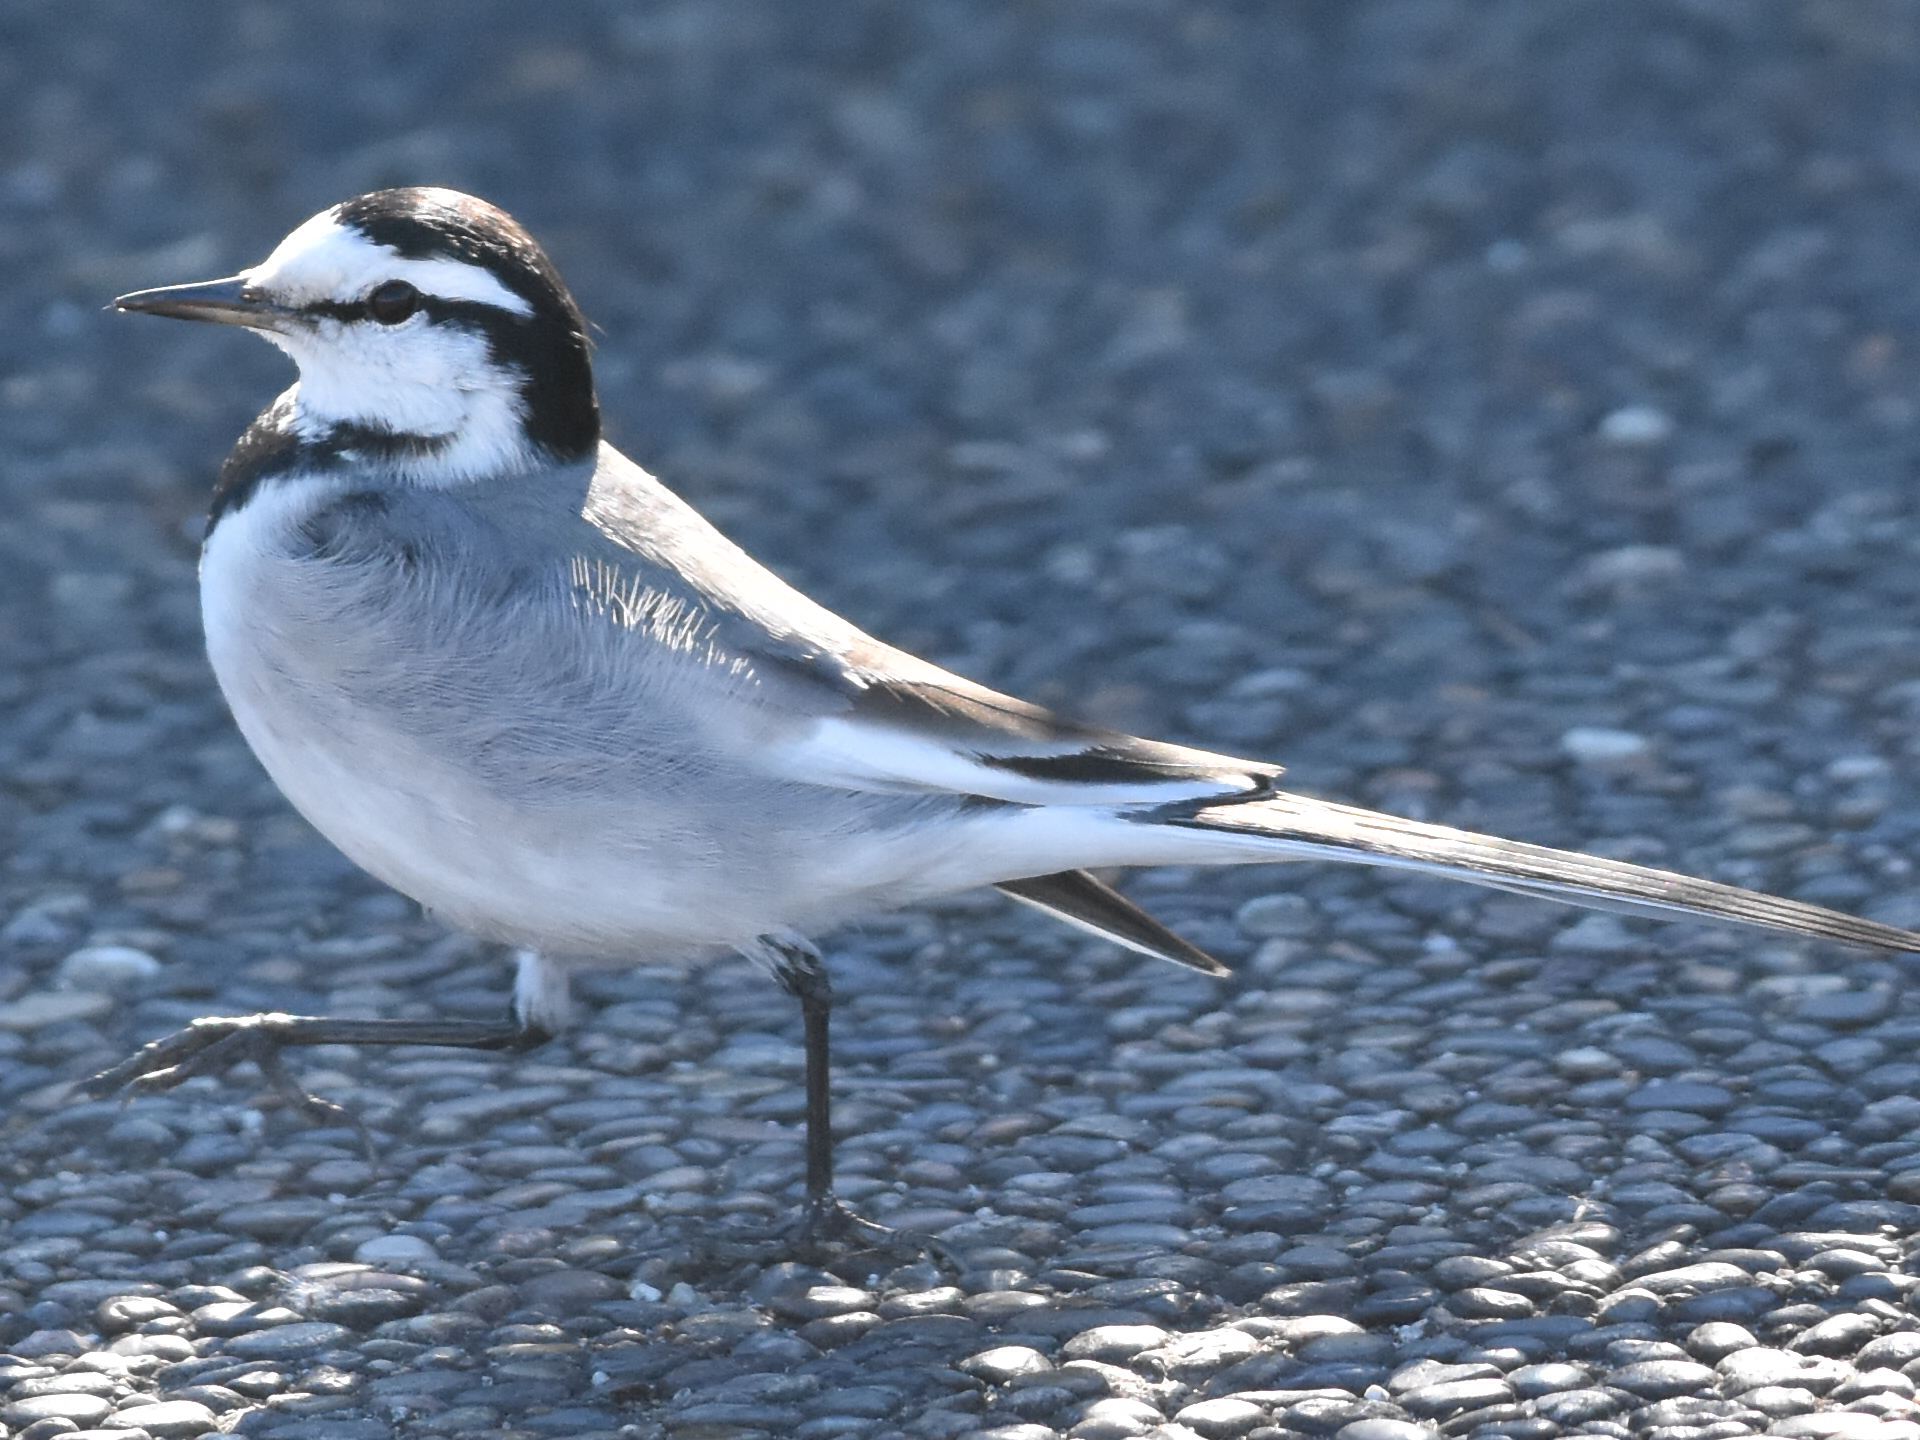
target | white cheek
x=417, y=378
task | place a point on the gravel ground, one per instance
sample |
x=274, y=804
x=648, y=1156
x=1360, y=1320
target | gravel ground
x=1506, y=413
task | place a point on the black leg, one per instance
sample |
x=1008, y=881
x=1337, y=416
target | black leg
x=828, y=1227
x=218, y=1042
x=803, y=976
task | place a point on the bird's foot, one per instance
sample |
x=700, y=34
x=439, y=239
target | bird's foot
x=828, y=1233
x=215, y=1044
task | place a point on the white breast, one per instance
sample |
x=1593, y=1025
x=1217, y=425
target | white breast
x=409, y=813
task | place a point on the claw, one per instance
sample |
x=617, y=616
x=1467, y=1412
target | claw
x=214, y=1045
x=829, y=1231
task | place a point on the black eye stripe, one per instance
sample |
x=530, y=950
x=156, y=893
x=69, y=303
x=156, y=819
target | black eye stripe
x=435, y=307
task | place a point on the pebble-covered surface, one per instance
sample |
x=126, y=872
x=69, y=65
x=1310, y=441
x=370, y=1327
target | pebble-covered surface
x=1505, y=413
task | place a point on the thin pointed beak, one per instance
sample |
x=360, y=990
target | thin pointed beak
x=225, y=302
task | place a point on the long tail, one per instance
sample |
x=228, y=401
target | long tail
x=1306, y=829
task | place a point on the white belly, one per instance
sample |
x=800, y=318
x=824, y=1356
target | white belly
x=414, y=813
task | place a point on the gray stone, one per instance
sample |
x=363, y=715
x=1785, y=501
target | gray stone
x=1452, y=1397
x=1530, y=1382
x=1116, y=1419
x=1194, y=1356
x=1280, y=914
x=1686, y=1095
x=1220, y=1418
x=1114, y=1342
x=1483, y=1302
x=1628, y=1307
x=1006, y=1363
x=81, y=1409
x=1577, y=1407
x=1587, y=1062
x=455, y=1116
x=1461, y=1271
x=69, y=1382
x=45, y=1008
x=108, y=969
x=399, y=1250
x=1837, y=1335
x=1749, y=1369
x=241, y=1317
x=1380, y=1427
x=1893, y=1351
x=1266, y=1189
x=1846, y=1007
x=1694, y=1279
x=127, y=1312
x=1778, y=1400
x=1659, y=1379
x=1872, y=1382
x=1434, y=1372
x=49, y=1342
x=1840, y=1425
x=168, y=1419
x=289, y=1342
x=276, y=1219
x=572, y=1292
x=1338, y=1349
x=1717, y=1339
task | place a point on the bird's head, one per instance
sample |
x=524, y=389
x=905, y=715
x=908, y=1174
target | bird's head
x=430, y=330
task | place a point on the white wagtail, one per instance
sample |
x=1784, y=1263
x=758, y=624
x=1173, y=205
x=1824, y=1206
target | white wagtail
x=511, y=674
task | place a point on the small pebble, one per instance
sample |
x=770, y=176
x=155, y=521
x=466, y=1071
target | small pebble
x=1748, y=1369
x=168, y=1419
x=108, y=969
x=1636, y=425
x=1453, y=1397
x=289, y=1342
x=45, y=1008
x=1717, y=1339
x=1661, y=1379
x=1006, y=1363
x=394, y=1250
x=1114, y=1342
x=1530, y=1382
x=80, y=1409
x=1217, y=1419
x=1116, y=1419
x=1837, y=1335
x=1594, y=745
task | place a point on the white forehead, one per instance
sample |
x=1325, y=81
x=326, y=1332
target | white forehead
x=327, y=260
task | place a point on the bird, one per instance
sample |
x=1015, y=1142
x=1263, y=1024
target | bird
x=512, y=675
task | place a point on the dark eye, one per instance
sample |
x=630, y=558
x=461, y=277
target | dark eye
x=393, y=302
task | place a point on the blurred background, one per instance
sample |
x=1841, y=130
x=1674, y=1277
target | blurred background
x=1393, y=387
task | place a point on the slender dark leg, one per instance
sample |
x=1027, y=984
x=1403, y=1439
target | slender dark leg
x=211, y=1045
x=814, y=990
x=803, y=976
x=827, y=1223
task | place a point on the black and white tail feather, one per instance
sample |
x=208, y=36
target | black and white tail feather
x=1274, y=825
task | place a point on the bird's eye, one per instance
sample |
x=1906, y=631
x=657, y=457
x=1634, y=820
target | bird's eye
x=393, y=302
